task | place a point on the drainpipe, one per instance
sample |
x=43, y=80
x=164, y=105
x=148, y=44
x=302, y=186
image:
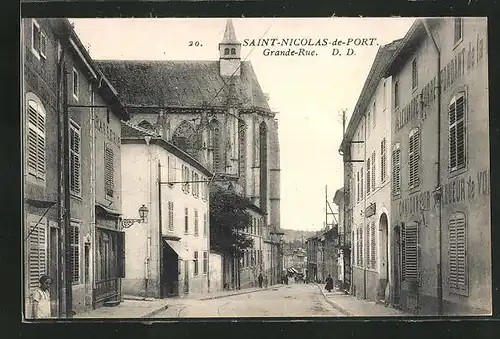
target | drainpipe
x=365, y=262
x=148, y=244
x=160, y=232
x=437, y=190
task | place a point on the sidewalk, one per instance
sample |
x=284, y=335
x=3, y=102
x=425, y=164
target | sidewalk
x=353, y=307
x=137, y=307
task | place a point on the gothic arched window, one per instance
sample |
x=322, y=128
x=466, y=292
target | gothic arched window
x=226, y=51
x=263, y=165
x=145, y=124
x=233, y=51
x=215, y=141
x=242, y=148
x=185, y=137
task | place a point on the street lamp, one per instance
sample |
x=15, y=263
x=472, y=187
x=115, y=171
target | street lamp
x=143, y=214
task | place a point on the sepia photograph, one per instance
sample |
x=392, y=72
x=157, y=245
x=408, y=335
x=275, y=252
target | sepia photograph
x=240, y=168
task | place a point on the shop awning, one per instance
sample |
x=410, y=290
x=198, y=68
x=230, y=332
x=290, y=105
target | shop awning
x=177, y=247
x=107, y=211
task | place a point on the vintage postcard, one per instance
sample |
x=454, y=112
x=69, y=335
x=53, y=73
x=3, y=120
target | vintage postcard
x=255, y=167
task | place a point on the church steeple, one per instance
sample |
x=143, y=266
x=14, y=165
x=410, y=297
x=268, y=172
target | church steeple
x=229, y=52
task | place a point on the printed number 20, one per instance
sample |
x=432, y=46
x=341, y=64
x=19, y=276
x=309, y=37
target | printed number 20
x=194, y=43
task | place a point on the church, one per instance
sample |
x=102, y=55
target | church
x=216, y=112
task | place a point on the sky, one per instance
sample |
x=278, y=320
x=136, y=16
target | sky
x=308, y=93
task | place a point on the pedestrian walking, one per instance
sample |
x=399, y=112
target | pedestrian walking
x=329, y=283
x=41, y=299
x=260, y=280
x=265, y=281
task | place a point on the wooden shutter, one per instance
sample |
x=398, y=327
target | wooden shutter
x=458, y=279
x=373, y=171
x=121, y=254
x=196, y=227
x=171, y=215
x=368, y=176
x=186, y=220
x=396, y=171
x=411, y=251
x=383, y=160
x=36, y=140
x=75, y=163
x=205, y=225
x=109, y=171
x=37, y=252
x=373, y=244
x=414, y=158
x=367, y=246
x=362, y=187
x=75, y=252
x=452, y=136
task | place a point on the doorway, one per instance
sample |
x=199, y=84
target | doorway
x=88, y=286
x=170, y=279
x=384, y=258
x=186, y=276
x=54, y=269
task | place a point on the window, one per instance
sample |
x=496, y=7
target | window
x=373, y=171
x=367, y=246
x=74, y=158
x=242, y=149
x=205, y=225
x=414, y=74
x=458, y=29
x=37, y=253
x=193, y=179
x=373, y=245
x=457, y=251
x=146, y=125
x=396, y=94
x=171, y=169
x=75, y=84
x=186, y=138
x=203, y=188
x=109, y=172
x=410, y=268
x=457, y=132
x=170, y=215
x=361, y=195
x=368, y=121
x=38, y=41
x=226, y=51
x=196, y=228
x=384, y=102
x=368, y=176
x=195, y=262
x=396, y=170
x=360, y=246
x=374, y=113
x=36, y=140
x=414, y=158
x=358, y=190
x=186, y=220
x=215, y=141
x=185, y=178
x=233, y=51
x=75, y=252
x=205, y=262
x=383, y=160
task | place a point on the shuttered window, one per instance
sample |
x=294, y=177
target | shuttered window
x=361, y=195
x=383, y=160
x=414, y=74
x=109, y=171
x=414, y=158
x=367, y=246
x=373, y=171
x=368, y=176
x=457, y=131
x=411, y=252
x=205, y=262
x=75, y=252
x=205, y=225
x=196, y=262
x=373, y=245
x=396, y=170
x=196, y=225
x=358, y=190
x=186, y=220
x=36, y=140
x=185, y=178
x=37, y=253
x=458, y=269
x=75, y=158
x=171, y=215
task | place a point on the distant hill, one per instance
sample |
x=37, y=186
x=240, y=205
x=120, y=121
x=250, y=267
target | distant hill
x=295, y=236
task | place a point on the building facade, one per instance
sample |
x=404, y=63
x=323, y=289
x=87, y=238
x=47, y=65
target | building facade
x=215, y=111
x=168, y=255
x=440, y=169
x=58, y=75
x=367, y=179
x=252, y=263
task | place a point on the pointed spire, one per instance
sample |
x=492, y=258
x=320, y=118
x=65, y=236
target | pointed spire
x=229, y=35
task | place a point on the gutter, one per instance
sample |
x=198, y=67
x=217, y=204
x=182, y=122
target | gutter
x=437, y=190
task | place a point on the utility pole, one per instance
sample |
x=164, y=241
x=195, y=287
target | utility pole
x=68, y=277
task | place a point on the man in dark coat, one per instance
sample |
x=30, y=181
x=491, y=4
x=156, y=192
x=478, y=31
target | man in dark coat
x=260, y=279
x=329, y=283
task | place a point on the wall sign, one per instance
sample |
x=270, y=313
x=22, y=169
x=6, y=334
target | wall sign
x=370, y=210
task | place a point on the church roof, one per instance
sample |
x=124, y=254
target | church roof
x=229, y=34
x=181, y=83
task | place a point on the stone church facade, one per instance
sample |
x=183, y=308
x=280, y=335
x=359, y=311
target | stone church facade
x=216, y=112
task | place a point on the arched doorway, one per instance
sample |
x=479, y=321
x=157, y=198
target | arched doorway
x=383, y=290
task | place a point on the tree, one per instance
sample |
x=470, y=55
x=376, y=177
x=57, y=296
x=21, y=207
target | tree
x=229, y=217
